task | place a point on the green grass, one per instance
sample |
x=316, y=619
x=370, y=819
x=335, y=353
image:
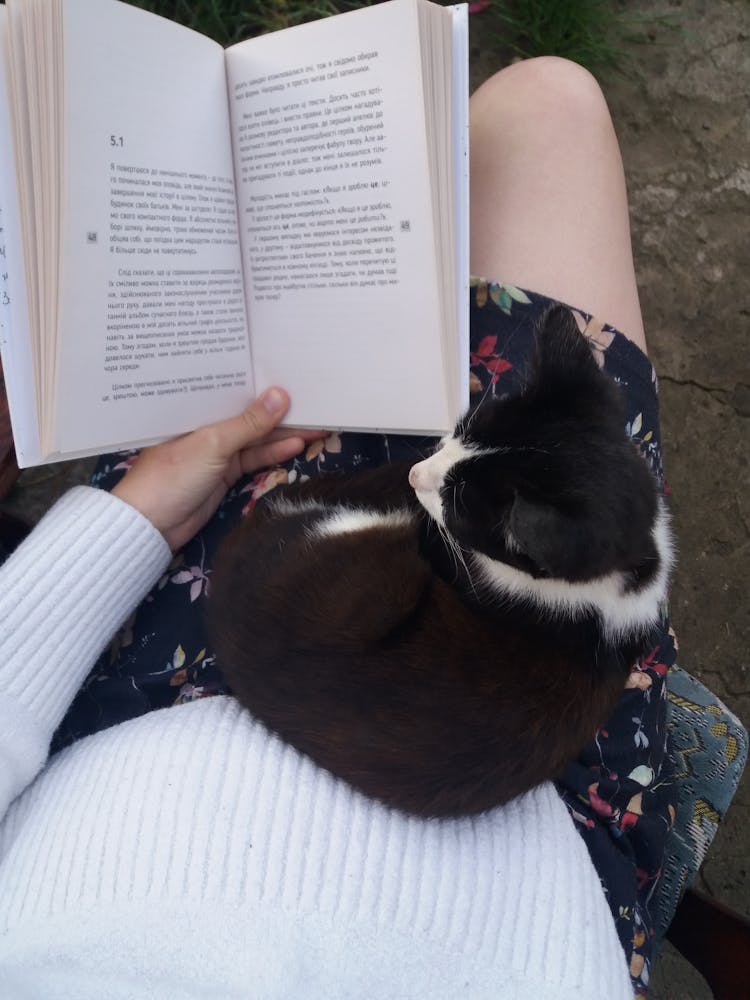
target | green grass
x=598, y=34
x=230, y=21
x=591, y=32
x=585, y=31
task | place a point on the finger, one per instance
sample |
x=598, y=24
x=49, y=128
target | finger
x=251, y=426
x=272, y=453
x=309, y=434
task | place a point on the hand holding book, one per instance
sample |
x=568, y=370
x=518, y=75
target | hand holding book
x=179, y=485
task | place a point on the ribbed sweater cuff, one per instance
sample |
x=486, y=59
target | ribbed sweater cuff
x=63, y=594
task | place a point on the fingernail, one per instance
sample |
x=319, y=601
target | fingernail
x=273, y=401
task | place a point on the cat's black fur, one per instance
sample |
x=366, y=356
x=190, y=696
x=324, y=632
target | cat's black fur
x=435, y=679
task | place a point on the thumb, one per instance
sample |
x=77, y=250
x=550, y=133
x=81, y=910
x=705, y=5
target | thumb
x=254, y=423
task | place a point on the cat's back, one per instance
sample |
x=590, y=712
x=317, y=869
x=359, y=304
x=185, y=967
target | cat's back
x=334, y=628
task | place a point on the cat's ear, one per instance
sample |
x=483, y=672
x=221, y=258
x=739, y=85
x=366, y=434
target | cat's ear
x=561, y=349
x=544, y=534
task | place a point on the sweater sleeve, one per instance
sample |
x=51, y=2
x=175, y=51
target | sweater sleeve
x=63, y=594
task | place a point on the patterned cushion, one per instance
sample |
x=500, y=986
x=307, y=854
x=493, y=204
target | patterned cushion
x=708, y=746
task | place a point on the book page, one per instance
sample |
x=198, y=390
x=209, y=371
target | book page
x=461, y=207
x=153, y=336
x=444, y=32
x=336, y=221
x=14, y=343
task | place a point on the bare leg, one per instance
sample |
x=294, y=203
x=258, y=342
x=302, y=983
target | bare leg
x=549, y=208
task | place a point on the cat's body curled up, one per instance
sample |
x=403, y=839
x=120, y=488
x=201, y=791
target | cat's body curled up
x=447, y=636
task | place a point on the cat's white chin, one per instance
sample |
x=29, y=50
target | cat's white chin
x=432, y=503
x=623, y=611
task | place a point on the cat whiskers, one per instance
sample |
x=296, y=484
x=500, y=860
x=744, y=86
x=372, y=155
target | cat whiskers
x=456, y=551
x=472, y=414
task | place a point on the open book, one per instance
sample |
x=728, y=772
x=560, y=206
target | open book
x=182, y=223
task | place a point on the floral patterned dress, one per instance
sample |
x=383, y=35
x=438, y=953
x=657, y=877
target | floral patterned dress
x=620, y=793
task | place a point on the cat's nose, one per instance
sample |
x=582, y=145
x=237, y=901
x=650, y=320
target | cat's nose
x=421, y=476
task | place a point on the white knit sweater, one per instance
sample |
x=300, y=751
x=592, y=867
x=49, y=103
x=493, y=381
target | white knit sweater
x=190, y=854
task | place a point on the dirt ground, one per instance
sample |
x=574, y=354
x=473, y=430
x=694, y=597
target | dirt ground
x=682, y=113
x=683, y=119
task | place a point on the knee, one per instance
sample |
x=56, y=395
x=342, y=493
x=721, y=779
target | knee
x=545, y=93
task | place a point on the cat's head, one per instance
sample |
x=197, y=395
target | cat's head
x=545, y=489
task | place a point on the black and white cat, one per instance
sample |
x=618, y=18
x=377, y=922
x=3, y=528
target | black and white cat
x=447, y=636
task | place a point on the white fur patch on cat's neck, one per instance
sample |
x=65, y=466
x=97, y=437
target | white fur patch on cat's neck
x=621, y=611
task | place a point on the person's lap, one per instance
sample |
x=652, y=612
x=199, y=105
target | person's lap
x=619, y=792
x=548, y=212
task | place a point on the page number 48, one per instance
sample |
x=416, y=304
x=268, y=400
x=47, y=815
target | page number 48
x=116, y=140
